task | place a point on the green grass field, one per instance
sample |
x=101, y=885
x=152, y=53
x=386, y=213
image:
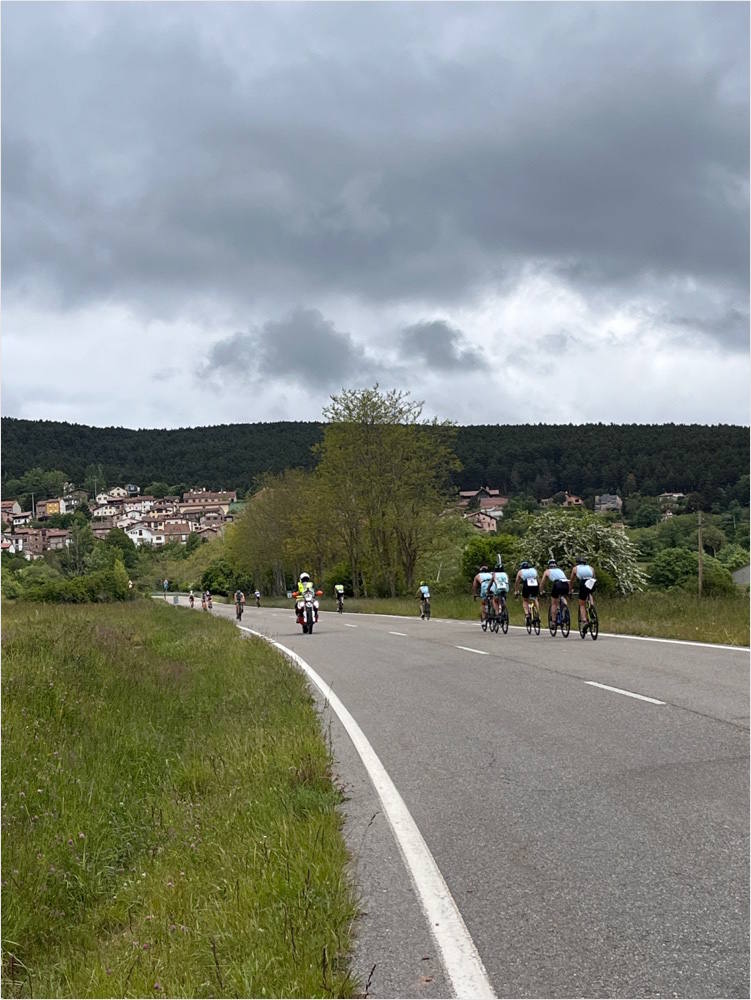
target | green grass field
x=170, y=826
x=668, y=615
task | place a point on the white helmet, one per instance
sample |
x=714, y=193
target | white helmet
x=304, y=576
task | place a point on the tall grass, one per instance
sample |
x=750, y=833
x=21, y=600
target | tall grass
x=170, y=826
x=671, y=614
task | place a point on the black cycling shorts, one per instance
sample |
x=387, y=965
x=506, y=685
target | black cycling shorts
x=583, y=591
x=560, y=588
x=528, y=591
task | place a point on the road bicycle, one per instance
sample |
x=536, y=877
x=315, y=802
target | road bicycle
x=495, y=622
x=591, y=624
x=562, y=618
x=425, y=608
x=532, y=620
x=239, y=608
x=340, y=603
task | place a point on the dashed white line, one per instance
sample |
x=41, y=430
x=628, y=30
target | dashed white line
x=469, y=649
x=397, y=633
x=629, y=694
x=459, y=955
x=347, y=625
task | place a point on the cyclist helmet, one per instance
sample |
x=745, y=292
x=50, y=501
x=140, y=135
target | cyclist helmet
x=304, y=576
x=552, y=562
x=524, y=565
x=422, y=583
x=581, y=561
x=483, y=569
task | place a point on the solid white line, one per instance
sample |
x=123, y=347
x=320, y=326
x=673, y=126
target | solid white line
x=459, y=955
x=347, y=625
x=469, y=649
x=629, y=694
x=397, y=633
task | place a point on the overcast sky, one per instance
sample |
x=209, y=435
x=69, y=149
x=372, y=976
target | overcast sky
x=519, y=212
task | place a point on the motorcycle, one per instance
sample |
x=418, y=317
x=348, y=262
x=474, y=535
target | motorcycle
x=306, y=607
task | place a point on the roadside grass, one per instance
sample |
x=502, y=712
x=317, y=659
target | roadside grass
x=170, y=826
x=661, y=614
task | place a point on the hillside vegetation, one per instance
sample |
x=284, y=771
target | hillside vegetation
x=537, y=459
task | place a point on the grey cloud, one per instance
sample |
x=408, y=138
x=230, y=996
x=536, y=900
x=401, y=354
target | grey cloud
x=158, y=154
x=303, y=348
x=440, y=345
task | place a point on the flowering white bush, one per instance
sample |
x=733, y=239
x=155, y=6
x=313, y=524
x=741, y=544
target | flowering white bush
x=569, y=534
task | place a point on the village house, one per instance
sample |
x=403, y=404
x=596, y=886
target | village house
x=139, y=504
x=118, y=492
x=608, y=501
x=141, y=534
x=670, y=499
x=482, y=521
x=202, y=500
x=208, y=533
x=102, y=527
x=132, y=490
x=48, y=508
x=56, y=539
x=177, y=532
x=10, y=507
x=571, y=500
x=107, y=510
x=31, y=542
x=19, y=520
x=485, y=497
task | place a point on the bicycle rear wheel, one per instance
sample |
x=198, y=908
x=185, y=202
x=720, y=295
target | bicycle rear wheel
x=536, y=621
x=565, y=623
x=594, y=624
x=552, y=624
x=504, y=621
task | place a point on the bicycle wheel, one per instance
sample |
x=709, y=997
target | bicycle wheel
x=528, y=623
x=504, y=621
x=552, y=625
x=582, y=624
x=565, y=623
x=594, y=625
x=484, y=624
x=536, y=622
x=495, y=624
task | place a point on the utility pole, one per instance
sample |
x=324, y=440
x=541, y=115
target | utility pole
x=33, y=507
x=701, y=555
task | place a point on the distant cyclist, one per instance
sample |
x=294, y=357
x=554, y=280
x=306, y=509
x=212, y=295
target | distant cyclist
x=580, y=575
x=239, y=603
x=527, y=576
x=191, y=599
x=499, y=588
x=559, y=587
x=424, y=594
x=339, y=592
x=257, y=596
x=480, y=586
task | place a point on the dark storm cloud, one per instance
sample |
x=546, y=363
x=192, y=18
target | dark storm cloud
x=158, y=155
x=439, y=345
x=304, y=347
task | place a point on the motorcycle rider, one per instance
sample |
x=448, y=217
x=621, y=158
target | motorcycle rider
x=303, y=584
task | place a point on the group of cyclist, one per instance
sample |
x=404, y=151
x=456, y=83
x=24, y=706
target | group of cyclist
x=492, y=586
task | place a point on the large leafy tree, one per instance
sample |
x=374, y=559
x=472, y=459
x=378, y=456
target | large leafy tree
x=566, y=534
x=386, y=472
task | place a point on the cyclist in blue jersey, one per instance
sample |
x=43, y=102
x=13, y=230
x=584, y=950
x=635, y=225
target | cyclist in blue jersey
x=584, y=577
x=424, y=594
x=499, y=588
x=559, y=586
x=527, y=576
x=480, y=586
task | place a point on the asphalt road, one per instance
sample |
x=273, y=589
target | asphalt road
x=596, y=844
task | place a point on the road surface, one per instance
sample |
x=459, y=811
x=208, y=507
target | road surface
x=585, y=802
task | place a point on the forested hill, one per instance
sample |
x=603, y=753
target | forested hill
x=539, y=459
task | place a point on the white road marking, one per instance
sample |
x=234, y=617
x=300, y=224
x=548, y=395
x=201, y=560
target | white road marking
x=397, y=633
x=629, y=694
x=469, y=649
x=347, y=625
x=459, y=955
